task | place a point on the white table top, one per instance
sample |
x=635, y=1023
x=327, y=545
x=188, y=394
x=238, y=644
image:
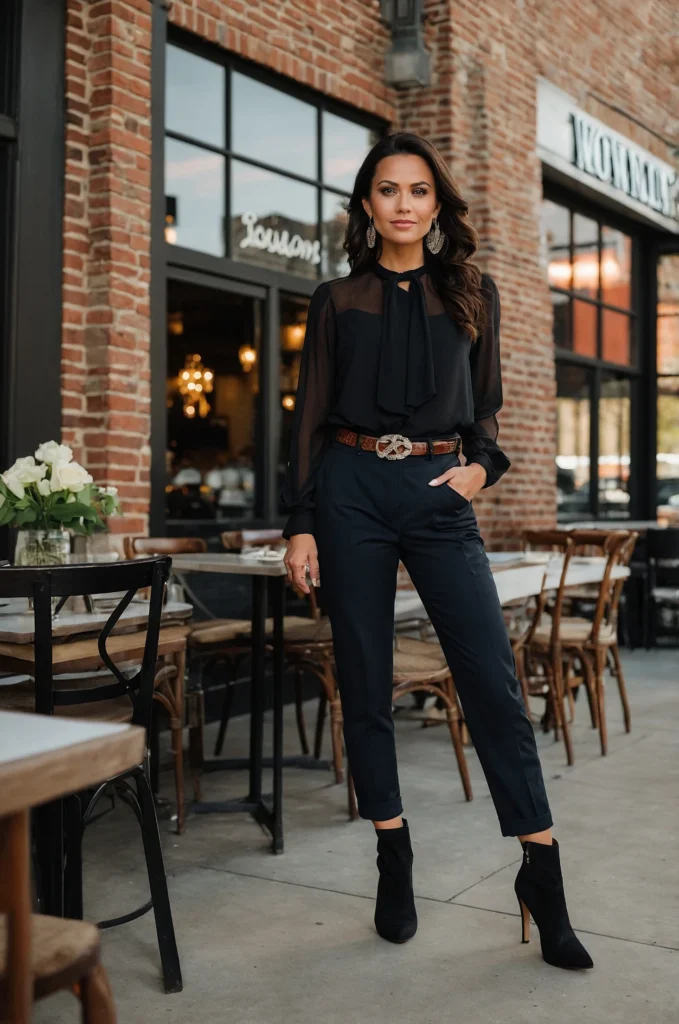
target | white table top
x=240, y=565
x=26, y=735
x=43, y=757
x=17, y=626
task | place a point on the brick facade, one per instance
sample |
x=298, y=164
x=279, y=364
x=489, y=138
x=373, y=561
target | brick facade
x=610, y=55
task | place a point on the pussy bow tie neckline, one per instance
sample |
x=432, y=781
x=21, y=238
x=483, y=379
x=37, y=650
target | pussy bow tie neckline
x=405, y=378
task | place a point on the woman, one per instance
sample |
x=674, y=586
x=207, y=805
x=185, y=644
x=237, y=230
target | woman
x=400, y=371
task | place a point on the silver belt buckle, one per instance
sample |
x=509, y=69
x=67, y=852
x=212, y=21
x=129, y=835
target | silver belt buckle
x=396, y=446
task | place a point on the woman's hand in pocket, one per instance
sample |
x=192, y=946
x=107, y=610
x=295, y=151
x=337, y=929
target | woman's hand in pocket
x=302, y=551
x=466, y=480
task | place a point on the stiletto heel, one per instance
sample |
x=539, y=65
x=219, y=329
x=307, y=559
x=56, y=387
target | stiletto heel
x=539, y=890
x=525, y=921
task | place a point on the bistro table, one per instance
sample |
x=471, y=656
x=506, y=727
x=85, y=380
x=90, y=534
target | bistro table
x=268, y=577
x=76, y=650
x=43, y=758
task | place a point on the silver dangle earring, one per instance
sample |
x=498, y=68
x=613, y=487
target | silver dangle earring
x=435, y=238
x=370, y=235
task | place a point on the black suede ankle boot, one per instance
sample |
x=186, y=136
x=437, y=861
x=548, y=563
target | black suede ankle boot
x=395, y=915
x=539, y=888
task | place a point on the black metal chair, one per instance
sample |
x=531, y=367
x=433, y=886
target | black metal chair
x=662, y=551
x=118, y=697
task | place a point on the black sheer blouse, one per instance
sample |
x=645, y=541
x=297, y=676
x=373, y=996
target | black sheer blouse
x=358, y=370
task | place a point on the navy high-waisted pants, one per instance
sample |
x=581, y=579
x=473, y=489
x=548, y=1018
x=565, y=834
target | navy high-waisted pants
x=371, y=513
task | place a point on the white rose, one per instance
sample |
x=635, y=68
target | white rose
x=44, y=487
x=15, y=485
x=51, y=452
x=69, y=476
x=26, y=471
x=111, y=491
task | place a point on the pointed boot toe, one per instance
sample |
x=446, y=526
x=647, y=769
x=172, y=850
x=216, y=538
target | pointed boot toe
x=539, y=888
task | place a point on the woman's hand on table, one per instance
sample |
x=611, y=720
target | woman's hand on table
x=466, y=480
x=302, y=552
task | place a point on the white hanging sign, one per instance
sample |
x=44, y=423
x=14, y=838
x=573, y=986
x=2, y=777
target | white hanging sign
x=588, y=151
x=281, y=243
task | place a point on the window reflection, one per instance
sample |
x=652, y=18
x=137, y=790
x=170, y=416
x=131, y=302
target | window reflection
x=194, y=96
x=211, y=452
x=585, y=256
x=274, y=221
x=345, y=146
x=572, y=441
x=616, y=335
x=272, y=127
x=667, y=458
x=668, y=314
x=555, y=236
x=616, y=268
x=194, y=197
x=614, y=447
x=294, y=311
x=335, y=263
x=584, y=328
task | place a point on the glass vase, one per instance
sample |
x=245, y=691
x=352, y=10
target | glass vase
x=42, y=547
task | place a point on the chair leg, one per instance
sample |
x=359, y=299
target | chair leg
x=299, y=711
x=224, y=720
x=456, y=737
x=590, y=686
x=351, y=793
x=177, y=724
x=195, y=714
x=320, y=723
x=167, y=944
x=336, y=723
x=559, y=716
x=600, y=668
x=73, y=846
x=96, y=998
x=615, y=654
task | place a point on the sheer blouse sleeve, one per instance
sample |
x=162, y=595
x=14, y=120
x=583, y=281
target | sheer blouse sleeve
x=479, y=441
x=314, y=400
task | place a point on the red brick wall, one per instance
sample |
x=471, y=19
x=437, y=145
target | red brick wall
x=105, y=370
x=479, y=110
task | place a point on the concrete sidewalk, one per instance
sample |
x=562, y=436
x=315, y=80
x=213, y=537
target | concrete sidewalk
x=270, y=939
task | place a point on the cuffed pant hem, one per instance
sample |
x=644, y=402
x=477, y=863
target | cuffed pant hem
x=526, y=826
x=381, y=812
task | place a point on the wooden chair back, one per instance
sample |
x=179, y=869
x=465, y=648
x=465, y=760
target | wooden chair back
x=234, y=540
x=611, y=545
x=64, y=581
x=560, y=542
x=624, y=558
x=135, y=546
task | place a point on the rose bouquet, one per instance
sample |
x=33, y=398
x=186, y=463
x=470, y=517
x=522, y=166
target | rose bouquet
x=50, y=492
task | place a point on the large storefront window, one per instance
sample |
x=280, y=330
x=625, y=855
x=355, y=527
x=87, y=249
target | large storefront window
x=257, y=174
x=667, y=458
x=253, y=173
x=589, y=268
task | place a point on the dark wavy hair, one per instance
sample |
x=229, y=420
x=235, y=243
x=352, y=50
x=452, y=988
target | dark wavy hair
x=457, y=281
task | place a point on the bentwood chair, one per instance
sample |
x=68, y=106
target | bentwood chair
x=40, y=955
x=124, y=695
x=541, y=665
x=594, y=643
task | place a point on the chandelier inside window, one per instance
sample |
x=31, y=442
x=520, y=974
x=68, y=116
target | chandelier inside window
x=195, y=382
